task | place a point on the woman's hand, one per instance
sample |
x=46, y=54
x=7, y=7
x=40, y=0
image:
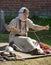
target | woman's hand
x=46, y=27
x=13, y=28
x=8, y=28
x=42, y=27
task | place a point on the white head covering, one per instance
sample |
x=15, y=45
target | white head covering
x=20, y=15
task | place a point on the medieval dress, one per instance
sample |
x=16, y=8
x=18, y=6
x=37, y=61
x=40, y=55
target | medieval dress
x=20, y=38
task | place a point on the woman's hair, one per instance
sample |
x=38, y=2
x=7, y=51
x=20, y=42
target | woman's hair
x=26, y=10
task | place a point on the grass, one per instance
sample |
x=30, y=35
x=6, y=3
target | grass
x=43, y=37
x=39, y=61
x=4, y=37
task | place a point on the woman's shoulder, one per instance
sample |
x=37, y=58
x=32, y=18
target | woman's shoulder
x=29, y=20
x=15, y=19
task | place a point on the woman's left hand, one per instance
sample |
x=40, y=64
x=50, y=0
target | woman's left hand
x=46, y=27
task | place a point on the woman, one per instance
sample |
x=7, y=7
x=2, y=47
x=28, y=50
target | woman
x=19, y=28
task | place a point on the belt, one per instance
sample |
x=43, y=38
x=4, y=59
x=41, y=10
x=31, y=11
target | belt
x=19, y=35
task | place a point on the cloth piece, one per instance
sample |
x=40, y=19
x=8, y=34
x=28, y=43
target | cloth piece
x=26, y=44
x=46, y=48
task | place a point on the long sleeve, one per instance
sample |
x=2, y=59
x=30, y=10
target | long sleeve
x=34, y=26
x=12, y=23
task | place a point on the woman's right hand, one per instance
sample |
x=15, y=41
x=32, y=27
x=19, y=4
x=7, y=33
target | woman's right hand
x=13, y=28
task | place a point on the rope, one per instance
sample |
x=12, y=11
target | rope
x=37, y=36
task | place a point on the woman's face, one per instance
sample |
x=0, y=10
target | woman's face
x=25, y=15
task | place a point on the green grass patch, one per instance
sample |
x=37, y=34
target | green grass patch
x=4, y=37
x=46, y=39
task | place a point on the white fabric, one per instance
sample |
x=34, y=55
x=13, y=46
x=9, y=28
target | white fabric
x=20, y=15
x=26, y=44
x=22, y=9
x=9, y=49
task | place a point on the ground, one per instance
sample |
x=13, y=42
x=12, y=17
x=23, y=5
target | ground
x=39, y=61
